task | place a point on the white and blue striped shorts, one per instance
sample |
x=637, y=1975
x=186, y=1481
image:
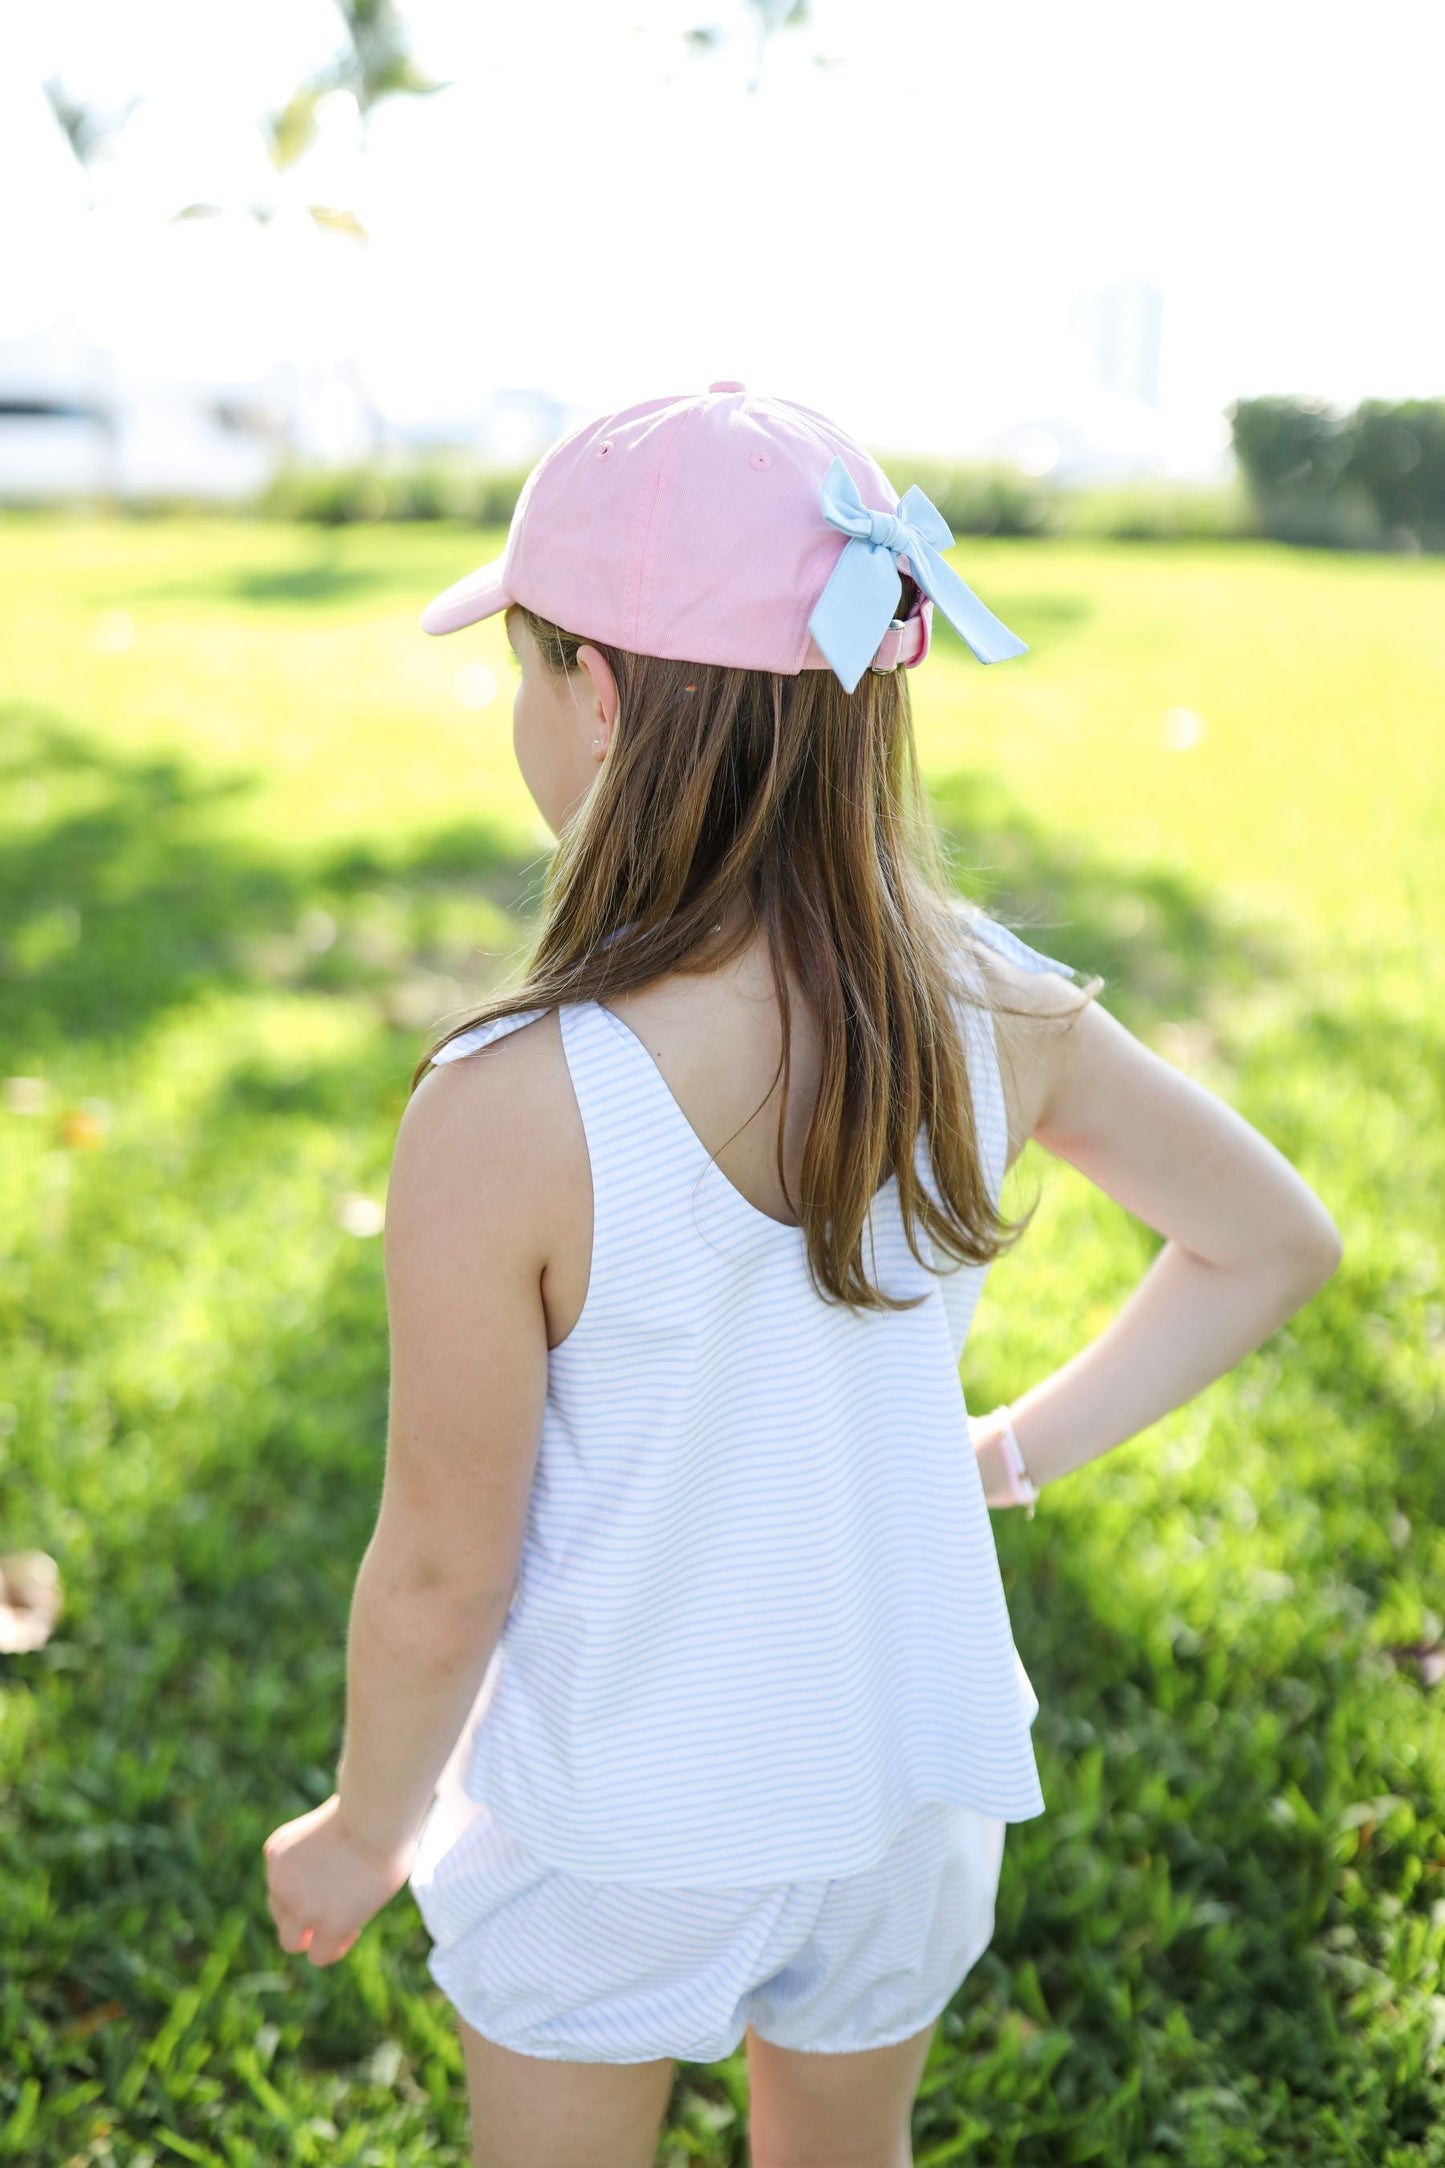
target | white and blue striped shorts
x=550, y=1964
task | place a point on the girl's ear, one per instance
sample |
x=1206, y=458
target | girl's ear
x=604, y=684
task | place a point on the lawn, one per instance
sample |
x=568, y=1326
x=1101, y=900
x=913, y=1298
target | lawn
x=259, y=832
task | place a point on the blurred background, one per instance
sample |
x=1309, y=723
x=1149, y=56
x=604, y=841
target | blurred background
x=1147, y=300
x=1064, y=241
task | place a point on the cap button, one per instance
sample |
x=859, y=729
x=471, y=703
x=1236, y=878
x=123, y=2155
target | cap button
x=727, y=383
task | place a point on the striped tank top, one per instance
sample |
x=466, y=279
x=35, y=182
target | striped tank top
x=758, y=1615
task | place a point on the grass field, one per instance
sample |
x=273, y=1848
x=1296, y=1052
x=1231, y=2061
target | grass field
x=258, y=834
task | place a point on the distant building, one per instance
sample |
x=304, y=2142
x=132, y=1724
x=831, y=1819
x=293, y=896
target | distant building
x=79, y=421
x=1110, y=423
x=1120, y=328
x=76, y=421
x=1101, y=438
x=511, y=427
x=56, y=414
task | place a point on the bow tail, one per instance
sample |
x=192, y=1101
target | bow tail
x=856, y=608
x=989, y=638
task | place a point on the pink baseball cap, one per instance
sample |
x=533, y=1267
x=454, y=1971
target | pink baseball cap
x=726, y=527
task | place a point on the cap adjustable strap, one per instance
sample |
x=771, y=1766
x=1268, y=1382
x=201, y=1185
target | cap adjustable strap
x=904, y=643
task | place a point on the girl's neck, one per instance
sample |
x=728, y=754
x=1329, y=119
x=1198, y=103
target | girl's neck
x=738, y=921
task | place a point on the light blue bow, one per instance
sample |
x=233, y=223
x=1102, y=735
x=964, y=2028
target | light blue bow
x=857, y=606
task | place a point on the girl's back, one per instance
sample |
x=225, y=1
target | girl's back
x=716, y=1038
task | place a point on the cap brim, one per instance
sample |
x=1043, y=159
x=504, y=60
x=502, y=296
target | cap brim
x=468, y=600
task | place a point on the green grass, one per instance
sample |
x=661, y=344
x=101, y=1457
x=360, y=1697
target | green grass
x=247, y=858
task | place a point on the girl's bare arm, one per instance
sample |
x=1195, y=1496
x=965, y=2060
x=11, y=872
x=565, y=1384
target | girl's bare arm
x=465, y=1224
x=1247, y=1241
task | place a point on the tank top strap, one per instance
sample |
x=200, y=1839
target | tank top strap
x=980, y=1042
x=1008, y=943
x=655, y=1189
x=467, y=1042
x=990, y=1111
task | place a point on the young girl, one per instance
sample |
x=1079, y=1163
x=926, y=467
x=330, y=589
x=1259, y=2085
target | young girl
x=681, y=1685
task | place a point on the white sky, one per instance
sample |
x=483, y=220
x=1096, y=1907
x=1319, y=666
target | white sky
x=894, y=238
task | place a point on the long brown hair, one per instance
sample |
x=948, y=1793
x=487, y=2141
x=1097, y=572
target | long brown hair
x=723, y=783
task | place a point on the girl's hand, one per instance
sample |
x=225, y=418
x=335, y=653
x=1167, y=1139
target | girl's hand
x=322, y=1888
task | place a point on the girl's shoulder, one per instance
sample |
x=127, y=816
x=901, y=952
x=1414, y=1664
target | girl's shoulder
x=487, y=1128
x=505, y=1100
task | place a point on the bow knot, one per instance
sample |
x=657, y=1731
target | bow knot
x=888, y=532
x=858, y=604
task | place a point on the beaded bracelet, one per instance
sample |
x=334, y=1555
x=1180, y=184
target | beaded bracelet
x=1023, y=1491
